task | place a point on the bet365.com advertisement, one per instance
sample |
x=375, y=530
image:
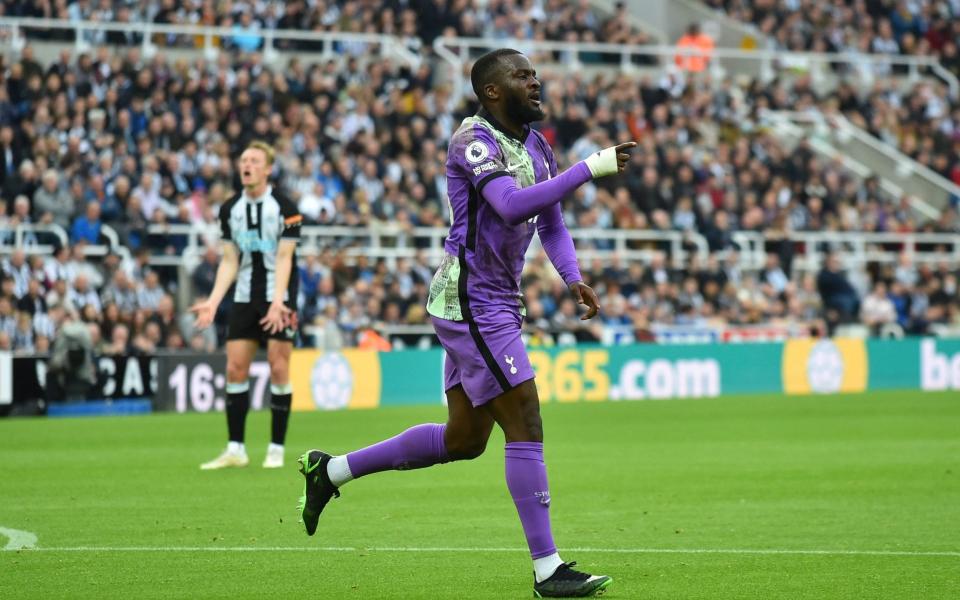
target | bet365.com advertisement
x=363, y=379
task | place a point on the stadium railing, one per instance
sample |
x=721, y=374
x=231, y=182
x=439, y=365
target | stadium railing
x=858, y=248
x=392, y=241
x=24, y=237
x=909, y=176
x=792, y=133
x=386, y=45
x=457, y=51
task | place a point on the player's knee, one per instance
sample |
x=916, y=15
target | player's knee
x=236, y=372
x=279, y=371
x=534, y=431
x=533, y=428
x=466, y=448
x=279, y=364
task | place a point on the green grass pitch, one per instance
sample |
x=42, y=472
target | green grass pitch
x=742, y=497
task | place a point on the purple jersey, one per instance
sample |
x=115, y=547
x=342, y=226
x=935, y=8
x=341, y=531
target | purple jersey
x=485, y=250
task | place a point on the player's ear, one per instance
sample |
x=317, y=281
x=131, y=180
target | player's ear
x=491, y=91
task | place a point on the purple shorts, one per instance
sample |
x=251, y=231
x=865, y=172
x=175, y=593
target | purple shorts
x=486, y=354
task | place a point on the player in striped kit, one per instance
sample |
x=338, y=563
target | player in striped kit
x=260, y=229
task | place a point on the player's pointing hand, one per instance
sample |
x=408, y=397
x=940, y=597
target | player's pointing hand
x=622, y=156
x=609, y=161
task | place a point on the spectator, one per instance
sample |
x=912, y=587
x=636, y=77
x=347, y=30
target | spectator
x=149, y=340
x=56, y=269
x=370, y=339
x=81, y=294
x=8, y=318
x=774, y=276
x=246, y=33
x=839, y=297
x=23, y=338
x=719, y=236
x=52, y=198
x=121, y=292
x=21, y=216
x=18, y=270
x=877, y=309
x=696, y=50
x=78, y=265
x=327, y=334
x=205, y=274
x=119, y=341
x=24, y=182
x=87, y=226
x=150, y=292
x=906, y=273
x=71, y=374
x=901, y=303
x=33, y=302
x=11, y=154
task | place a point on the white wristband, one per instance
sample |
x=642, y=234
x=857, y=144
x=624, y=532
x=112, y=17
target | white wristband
x=603, y=163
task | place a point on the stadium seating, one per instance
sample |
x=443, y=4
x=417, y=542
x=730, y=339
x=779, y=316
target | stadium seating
x=115, y=164
x=923, y=121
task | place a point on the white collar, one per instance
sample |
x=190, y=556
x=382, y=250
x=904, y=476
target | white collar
x=266, y=193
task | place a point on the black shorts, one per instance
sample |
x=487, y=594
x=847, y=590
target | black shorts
x=244, y=323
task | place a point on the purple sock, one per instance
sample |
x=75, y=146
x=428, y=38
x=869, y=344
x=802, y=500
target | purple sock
x=415, y=448
x=527, y=482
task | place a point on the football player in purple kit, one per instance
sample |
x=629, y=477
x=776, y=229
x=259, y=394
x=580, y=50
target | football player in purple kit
x=503, y=186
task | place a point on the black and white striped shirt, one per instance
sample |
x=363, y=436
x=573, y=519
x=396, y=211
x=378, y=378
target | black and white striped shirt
x=256, y=226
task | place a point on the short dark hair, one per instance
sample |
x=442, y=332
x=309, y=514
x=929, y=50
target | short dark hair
x=486, y=68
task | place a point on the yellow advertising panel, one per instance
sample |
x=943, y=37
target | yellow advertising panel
x=824, y=366
x=335, y=380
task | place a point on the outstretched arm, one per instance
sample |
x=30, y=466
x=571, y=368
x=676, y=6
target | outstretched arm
x=206, y=310
x=515, y=205
x=518, y=205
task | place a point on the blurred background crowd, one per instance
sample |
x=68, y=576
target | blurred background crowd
x=112, y=141
x=904, y=27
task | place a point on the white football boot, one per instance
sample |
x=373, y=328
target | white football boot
x=274, y=457
x=231, y=457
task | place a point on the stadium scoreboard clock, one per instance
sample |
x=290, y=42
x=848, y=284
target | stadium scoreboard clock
x=196, y=383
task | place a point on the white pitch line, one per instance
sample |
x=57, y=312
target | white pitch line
x=17, y=539
x=476, y=550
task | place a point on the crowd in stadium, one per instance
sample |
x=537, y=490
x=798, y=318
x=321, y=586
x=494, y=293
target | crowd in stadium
x=417, y=22
x=923, y=122
x=907, y=27
x=117, y=140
